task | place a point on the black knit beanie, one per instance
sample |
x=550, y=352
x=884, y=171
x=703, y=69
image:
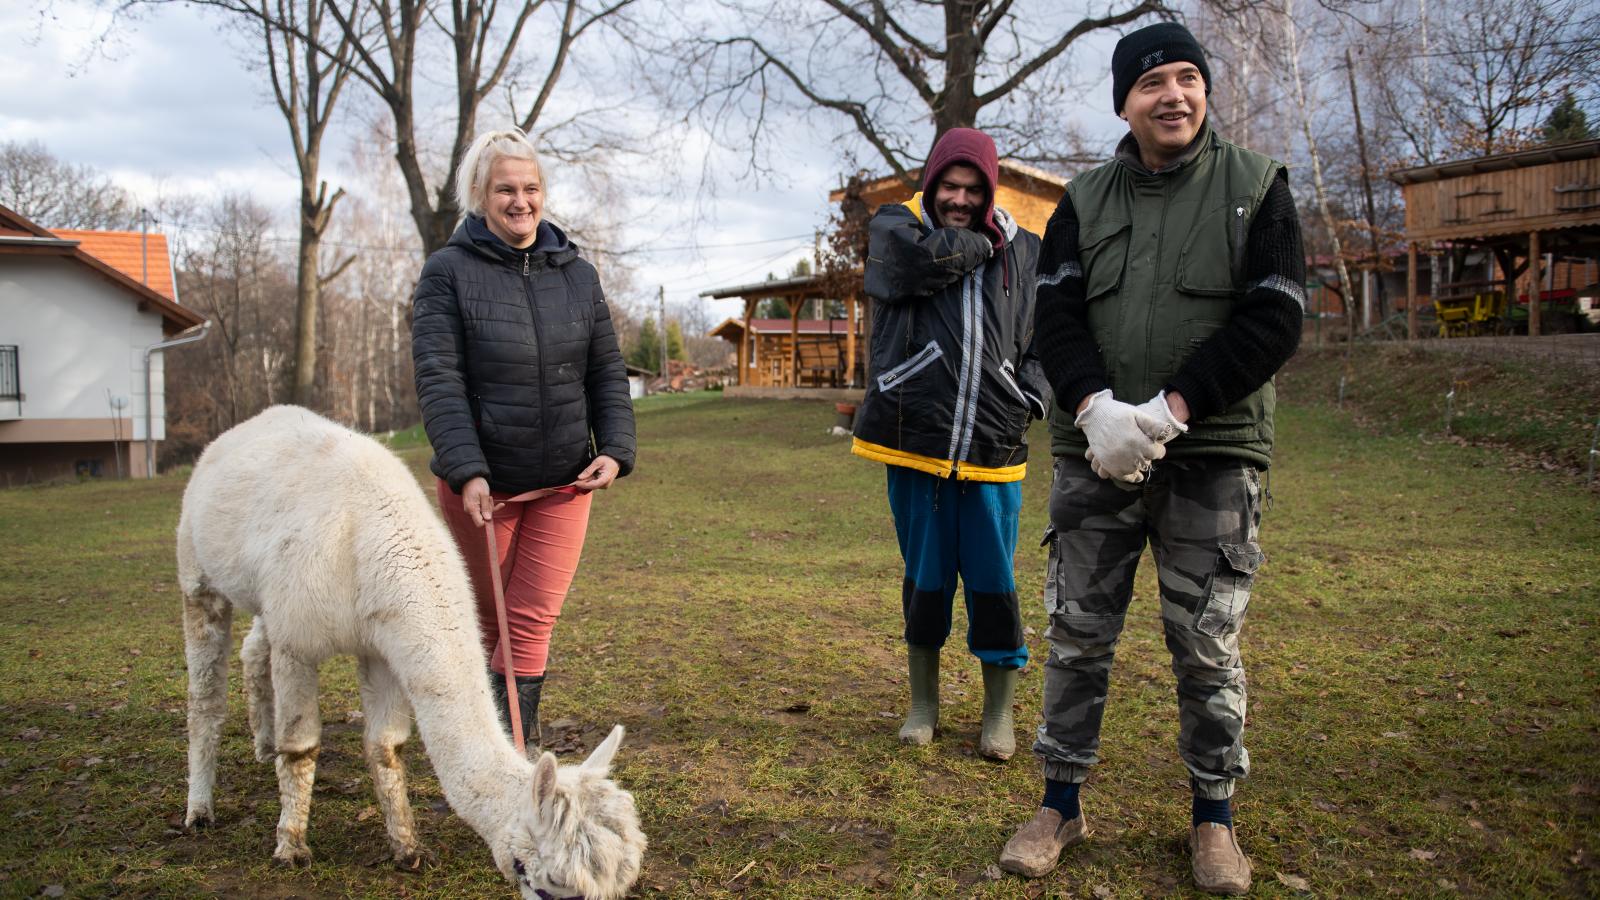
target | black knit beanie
x=1151, y=46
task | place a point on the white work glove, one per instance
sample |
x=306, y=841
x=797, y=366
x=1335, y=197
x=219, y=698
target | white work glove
x=1121, y=445
x=1157, y=409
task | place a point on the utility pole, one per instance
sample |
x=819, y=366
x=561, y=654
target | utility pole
x=661, y=299
x=1366, y=183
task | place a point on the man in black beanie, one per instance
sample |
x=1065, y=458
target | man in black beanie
x=1169, y=294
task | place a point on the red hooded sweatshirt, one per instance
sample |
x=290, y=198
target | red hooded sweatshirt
x=976, y=149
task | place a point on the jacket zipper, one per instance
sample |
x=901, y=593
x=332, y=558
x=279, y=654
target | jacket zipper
x=524, y=264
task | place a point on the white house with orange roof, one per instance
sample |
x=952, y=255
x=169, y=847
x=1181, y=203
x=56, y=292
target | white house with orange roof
x=85, y=318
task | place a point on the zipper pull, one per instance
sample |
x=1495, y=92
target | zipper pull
x=525, y=257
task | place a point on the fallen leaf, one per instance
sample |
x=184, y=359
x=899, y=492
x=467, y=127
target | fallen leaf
x=885, y=714
x=1103, y=892
x=1294, y=882
x=1424, y=855
x=369, y=811
x=992, y=872
x=1325, y=806
x=56, y=890
x=1387, y=734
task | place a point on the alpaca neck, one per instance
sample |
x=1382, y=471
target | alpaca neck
x=443, y=674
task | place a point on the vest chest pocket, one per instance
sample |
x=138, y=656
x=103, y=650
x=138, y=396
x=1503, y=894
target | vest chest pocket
x=1210, y=264
x=1103, y=251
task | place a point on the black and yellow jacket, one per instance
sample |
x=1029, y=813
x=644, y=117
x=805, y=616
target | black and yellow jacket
x=954, y=379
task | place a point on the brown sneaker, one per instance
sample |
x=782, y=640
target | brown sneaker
x=1220, y=867
x=1036, y=847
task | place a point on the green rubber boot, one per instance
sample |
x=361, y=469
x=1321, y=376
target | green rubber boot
x=999, y=737
x=924, y=718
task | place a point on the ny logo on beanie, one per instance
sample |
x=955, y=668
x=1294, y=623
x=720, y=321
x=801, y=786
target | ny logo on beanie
x=1152, y=59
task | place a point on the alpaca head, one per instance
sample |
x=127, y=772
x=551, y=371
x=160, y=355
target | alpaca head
x=578, y=834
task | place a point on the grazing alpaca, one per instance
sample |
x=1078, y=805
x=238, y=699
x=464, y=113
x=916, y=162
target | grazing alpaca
x=325, y=537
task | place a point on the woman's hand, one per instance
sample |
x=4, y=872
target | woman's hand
x=598, y=475
x=477, y=503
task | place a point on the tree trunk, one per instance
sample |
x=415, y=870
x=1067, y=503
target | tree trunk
x=307, y=300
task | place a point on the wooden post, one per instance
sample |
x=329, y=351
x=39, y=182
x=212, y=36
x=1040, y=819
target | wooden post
x=1411, y=291
x=1534, y=280
x=747, y=344
x=795, y=305
x=850, y=341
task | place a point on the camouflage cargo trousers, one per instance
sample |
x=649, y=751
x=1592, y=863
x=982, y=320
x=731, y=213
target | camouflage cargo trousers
x=1201, y=519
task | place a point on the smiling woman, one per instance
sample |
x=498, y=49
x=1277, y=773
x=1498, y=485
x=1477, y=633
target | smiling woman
x=524, y=398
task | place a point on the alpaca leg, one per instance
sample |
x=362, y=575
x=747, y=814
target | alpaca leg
x=257, y=658
x=298, y=728
x=206, y=622
x=388, y=717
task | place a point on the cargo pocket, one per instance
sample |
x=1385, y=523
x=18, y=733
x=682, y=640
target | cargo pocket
x=1052, y=572
x=1224, y=608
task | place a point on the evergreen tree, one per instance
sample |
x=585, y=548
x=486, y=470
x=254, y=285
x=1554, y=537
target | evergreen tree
x=647, y=352
x=675, y=341
x=1567, y=122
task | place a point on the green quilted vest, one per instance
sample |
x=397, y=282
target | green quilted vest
x=1163, y=266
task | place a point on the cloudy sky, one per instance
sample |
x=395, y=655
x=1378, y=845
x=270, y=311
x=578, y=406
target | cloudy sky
x=167, y=105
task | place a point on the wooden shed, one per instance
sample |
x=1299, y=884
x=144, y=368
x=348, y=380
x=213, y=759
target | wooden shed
x=1029, y=194
x=1523, y=208
x=794, y=352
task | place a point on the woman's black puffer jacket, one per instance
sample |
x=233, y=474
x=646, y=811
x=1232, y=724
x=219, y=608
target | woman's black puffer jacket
x=519, y=376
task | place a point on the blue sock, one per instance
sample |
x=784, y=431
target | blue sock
x=1061, y=796
x=1219, y=811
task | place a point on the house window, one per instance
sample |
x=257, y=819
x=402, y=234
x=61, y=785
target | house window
x=10, y=386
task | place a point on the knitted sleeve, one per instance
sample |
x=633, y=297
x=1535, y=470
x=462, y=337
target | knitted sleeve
x=1264, y=328
x=1067, y=351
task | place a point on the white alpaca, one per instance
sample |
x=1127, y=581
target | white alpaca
x=325, y=537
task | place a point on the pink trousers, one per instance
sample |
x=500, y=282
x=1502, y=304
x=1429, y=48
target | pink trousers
x=540, y=542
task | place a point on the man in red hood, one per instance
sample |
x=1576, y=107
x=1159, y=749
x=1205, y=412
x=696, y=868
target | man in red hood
x=955, y=384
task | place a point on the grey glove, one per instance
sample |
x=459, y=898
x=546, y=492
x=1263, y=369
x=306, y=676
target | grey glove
x=1169, y=427
x=1121, y=442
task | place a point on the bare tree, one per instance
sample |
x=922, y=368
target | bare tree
x=894, y=70
x=1472, y=77
x=234, y=278
x=306, y=85
x=484, y=51
x=56, y=194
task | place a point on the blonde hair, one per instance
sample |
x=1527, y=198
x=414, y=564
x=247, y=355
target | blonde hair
x=488, y=148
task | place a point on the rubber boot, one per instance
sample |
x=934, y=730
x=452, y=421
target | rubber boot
x=529, y=689
x=999, y=737
x=923, y=665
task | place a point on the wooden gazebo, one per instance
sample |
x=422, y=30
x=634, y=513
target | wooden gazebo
x=1516, y=206
x=795, y=352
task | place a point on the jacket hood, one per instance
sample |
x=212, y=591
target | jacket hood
x=967, y=146
x=549, y=242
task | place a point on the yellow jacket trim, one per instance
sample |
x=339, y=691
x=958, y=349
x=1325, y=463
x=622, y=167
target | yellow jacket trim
x=939, y=468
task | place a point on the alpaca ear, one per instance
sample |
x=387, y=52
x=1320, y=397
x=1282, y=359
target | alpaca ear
x=544, y=780
x=599, y=762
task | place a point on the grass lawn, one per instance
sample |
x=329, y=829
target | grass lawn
x=1421, y=649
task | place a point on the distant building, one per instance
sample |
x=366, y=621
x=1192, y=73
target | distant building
x=79, y=314
x=780, y=356
x=1029, y=194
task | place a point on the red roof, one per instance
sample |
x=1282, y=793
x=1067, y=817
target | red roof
x=142, y=257
x=20, y=236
